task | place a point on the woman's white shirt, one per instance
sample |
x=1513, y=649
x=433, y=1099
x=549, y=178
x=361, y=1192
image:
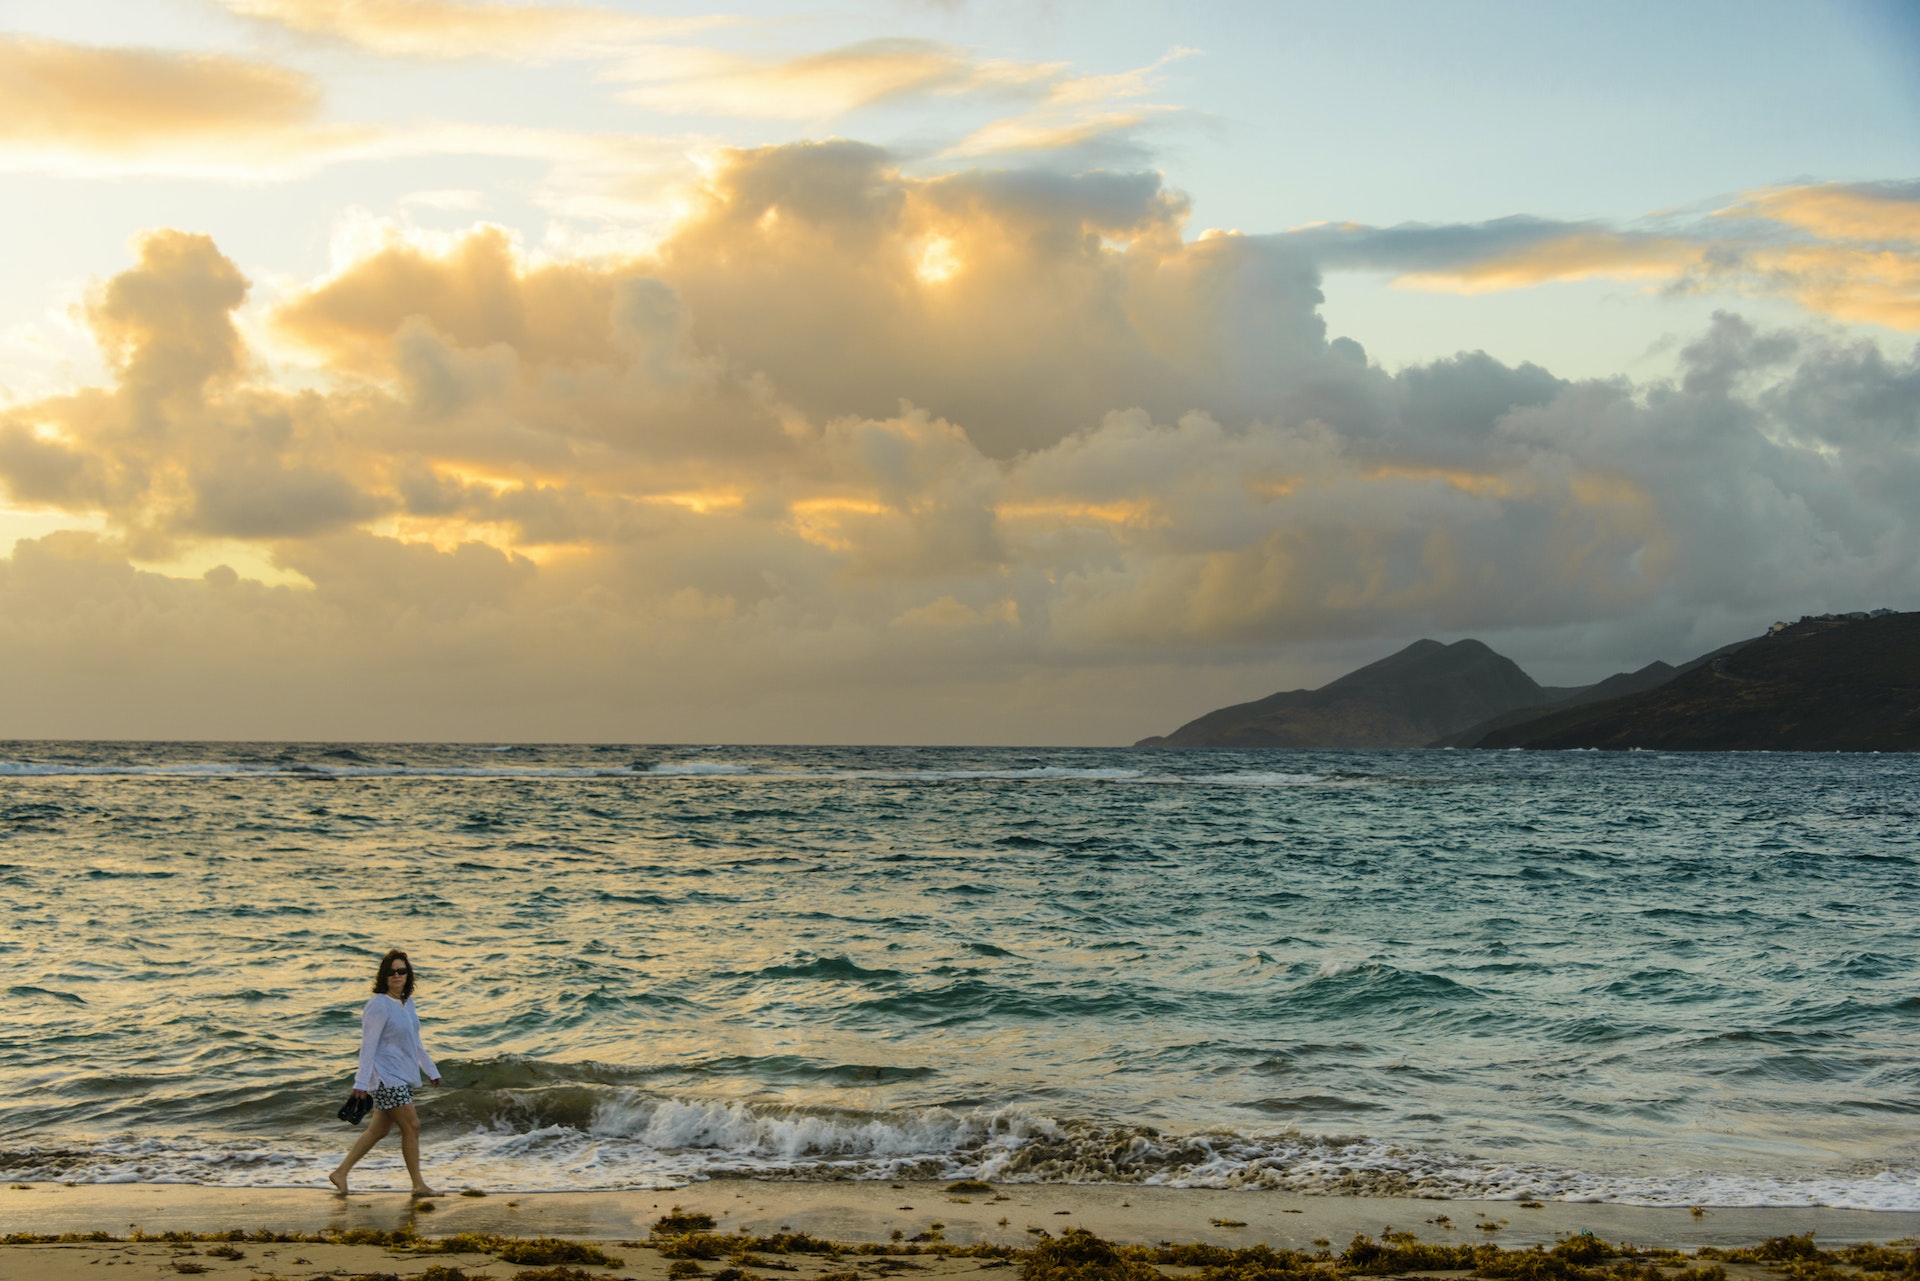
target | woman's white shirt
x=390, y=1049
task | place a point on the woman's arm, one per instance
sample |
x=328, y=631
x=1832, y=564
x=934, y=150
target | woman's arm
x=420, y=1052
x=373, y=1021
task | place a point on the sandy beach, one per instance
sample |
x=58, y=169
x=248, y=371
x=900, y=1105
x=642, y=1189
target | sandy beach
x=849, y=1213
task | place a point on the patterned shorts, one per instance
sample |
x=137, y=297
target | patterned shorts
x=388, y=1097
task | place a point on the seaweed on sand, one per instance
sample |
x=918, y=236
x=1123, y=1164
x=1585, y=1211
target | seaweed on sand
x=49, y=1238
x=793, y=1243
x=1261, y=1263
x=677, y=1222
x=1884, y=1259
x=1397, y=1252
x=1771, y=1250
x=739, y=1247
x=1078, y=1255
x=525, y=1250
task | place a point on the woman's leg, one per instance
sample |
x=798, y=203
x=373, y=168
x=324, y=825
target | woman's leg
x=377, y=1129
x=409, y=1122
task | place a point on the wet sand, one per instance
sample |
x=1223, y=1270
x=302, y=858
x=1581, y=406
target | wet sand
x=845, y=1212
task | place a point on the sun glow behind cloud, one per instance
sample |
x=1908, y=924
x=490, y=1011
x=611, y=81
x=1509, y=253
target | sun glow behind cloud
x=938, y=261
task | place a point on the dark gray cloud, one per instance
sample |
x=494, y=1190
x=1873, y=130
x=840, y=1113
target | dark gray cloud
x=269, y=501
x=41, y=471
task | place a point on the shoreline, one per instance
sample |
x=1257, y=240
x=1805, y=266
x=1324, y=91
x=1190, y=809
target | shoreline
x=872, y=1211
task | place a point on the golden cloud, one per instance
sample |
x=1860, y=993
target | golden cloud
x=477, y=294
x=1844, y=251
x=1855, y=284
x=166, y=324
x=1582, y=256
x=1079, y=112
x=822, y=85
x=1862, y=264
x=1045, y=131
x=1839, y=211
x=182, y=446
x=441, y=29
x=56, y=95
x=774, y=453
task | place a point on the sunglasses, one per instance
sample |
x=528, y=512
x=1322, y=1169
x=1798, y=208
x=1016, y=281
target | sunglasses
x=401, y=970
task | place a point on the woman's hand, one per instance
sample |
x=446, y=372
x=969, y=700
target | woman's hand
x=360, y=1094
x=436, y=1081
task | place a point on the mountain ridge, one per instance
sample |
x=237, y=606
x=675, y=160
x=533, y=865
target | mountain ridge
x=1833, y=683
x=1407, y=699
x=1834, y=687
x=1618, y=685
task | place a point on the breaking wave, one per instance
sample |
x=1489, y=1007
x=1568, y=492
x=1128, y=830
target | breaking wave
x=558, y=1134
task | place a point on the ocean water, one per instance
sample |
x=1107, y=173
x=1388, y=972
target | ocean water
x=1650, y=978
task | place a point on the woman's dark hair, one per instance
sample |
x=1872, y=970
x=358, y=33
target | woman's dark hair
x=386, y=968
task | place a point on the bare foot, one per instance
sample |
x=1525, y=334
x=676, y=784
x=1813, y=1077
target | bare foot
x=339, y=1181
x=424, y=1190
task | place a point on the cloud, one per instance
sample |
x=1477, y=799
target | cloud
x=41, y=471
x=93, y=111
x=1887, y=214
x=1095, y=118
x=1857, y=255
x=182, y=445
x=127, y=101
x=446, y=29
x=90, y=110
x=1000, y=300
x=821, y=86
x=1573, y=256
x=166, y=325
x=475, y=293
x=1847, y=251
x=853, y=453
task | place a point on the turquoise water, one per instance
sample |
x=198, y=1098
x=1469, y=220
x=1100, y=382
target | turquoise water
x=1655, y=978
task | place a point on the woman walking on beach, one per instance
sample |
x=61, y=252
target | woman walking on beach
x=391, y=1060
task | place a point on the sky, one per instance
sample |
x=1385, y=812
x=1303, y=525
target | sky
x=929, y=371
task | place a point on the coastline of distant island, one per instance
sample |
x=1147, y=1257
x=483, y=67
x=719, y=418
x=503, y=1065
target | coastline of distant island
x=1827, y=682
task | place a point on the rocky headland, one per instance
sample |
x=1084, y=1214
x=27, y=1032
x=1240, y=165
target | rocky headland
x=1831, y=682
